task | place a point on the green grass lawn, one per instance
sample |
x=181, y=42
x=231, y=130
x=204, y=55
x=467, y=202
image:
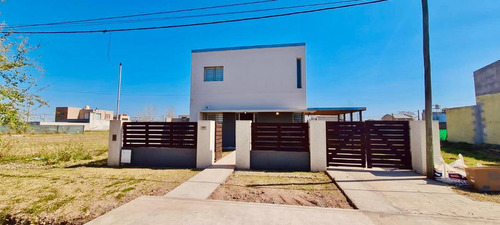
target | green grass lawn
x=473, y=154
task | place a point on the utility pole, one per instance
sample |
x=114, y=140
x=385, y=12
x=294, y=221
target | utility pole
x=428, y=92
x=119, y=89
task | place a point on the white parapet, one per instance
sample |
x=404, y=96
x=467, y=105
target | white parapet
x=114, y=142
x=205, y=145
x=418, y=145
x=243, y=143
x=317, y=146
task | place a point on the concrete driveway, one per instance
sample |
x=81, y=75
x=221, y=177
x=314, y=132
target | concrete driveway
x=404, y=197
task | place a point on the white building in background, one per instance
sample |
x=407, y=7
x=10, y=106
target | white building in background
x=263, y=83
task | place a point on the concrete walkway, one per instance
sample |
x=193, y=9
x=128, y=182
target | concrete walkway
x=404, y=197
x=158, y=210
x=203, y=184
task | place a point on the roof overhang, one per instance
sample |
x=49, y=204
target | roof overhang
x=334, y=110
x=308, y=111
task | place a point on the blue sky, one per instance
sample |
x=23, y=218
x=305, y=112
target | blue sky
x=362, y=56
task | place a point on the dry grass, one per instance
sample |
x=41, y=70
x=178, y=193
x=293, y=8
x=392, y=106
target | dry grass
x=291, y=188
x=53, y=148
x=70, y=184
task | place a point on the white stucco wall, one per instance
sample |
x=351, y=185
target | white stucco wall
x=257, y=78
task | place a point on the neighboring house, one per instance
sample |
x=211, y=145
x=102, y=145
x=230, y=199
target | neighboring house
x=180, y=118
x=479, y=123
x=93, y=119
x=265, y=83
x=398, y=117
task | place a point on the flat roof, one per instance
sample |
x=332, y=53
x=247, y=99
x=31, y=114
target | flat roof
x=248, y=47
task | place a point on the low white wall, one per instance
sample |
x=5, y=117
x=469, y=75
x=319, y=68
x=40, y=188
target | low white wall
x=317, y=145
x=243, y=143
x=115, y=142
x=205, y=154
x=98, y=125
x=418, y=145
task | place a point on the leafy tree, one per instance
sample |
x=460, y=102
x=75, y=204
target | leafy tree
x=18, y=86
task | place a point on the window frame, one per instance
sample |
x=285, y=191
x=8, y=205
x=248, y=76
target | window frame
x=214, y=76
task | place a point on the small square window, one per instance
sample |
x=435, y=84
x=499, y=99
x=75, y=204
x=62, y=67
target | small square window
x=214, y=73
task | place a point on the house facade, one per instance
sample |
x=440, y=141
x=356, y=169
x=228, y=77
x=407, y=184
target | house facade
x=93, y=119
x=265, y=83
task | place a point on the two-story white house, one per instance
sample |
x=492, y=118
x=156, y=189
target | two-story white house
x=263, y=83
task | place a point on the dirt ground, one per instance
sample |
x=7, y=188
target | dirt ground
x=288, y=188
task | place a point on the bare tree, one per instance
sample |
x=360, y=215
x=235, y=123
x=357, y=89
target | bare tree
x=169, y=113
x=148, y=114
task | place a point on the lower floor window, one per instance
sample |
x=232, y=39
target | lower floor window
x=217, y=117
x=297, y=118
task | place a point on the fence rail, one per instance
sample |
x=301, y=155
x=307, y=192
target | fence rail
x=280, y=137
x=160, y=134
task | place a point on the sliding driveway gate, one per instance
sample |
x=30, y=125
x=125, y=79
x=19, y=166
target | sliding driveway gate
x=369, y=144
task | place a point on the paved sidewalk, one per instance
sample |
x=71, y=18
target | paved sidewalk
x=159, y=210
x=397, y=197
x=203, y=184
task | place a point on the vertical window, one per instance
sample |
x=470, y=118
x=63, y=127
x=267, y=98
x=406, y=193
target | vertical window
x=299, y=73
x=97, y=116
x=215, y=73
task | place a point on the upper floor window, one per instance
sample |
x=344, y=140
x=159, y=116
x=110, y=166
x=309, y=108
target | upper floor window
x=214, y=73
x=299, y=73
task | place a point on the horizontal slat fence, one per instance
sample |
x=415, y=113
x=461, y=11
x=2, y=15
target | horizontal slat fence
x=345, y=144
x=388, y=144
x=159, y=134
x=280, y=137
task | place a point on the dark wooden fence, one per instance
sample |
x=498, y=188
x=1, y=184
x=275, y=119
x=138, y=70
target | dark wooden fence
x=280, y=137
x=388, y=144
x=369, y=144
x=159, y=134
x=345, y=144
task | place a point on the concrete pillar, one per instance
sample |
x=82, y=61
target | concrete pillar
x=317, y=145
x=115, y=142
x=205, y=145
x=418, y=142
x=243, y=143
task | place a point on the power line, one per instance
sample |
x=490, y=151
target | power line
x=194, y=24
x=210, y=14
x=142, y=14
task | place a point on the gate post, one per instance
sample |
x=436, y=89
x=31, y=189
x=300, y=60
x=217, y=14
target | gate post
x=243, y=143
x=115, y=142
x=417, y=145
x=317, y=145
x=205, y=144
